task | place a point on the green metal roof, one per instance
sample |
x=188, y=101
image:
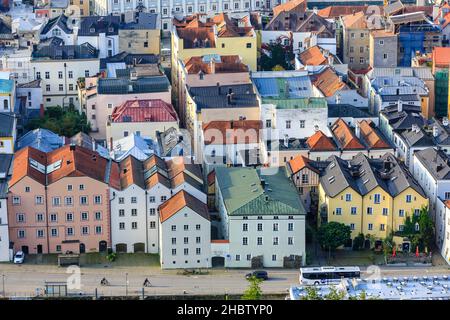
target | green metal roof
x=300, y=103
x=243, y=193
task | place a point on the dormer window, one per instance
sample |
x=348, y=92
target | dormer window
x=92, y=30
x=111, y=29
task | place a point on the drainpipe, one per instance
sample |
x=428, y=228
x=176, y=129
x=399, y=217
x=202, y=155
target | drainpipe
x=146, y=222
x=46, y=218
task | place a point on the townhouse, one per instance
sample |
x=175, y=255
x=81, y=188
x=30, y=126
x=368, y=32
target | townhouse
x=372, y=196
x=59, y=27
x=59, y=201
x=141, y=117
x=134, y=145
x=60, y=67
x=205, y=71
x=262, y=219
x=7, y=95
x=383, y=46
x=432, y=171
x=185, y=232
x=440, y=66
x=141, y=35
x=33, y=95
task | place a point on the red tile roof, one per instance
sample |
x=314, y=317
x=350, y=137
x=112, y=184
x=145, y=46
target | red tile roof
x=345, y=136
x=220, y=241
x=313, y=57
x=355, y=21
x=67, y=161
x=338, y=11
x=441, y=56
x=300, y=162
x=180, y=200
x=288, y=6
x=144, y=111
x=232, y=132
x=328, y=82
x=371, y=136
x=320, y=142
x=227, y=64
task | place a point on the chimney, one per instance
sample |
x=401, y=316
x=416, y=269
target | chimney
x=398, y=91
x=286, y=141
x=399, y=106
x=386, y=165
x=445, y=121
x=212, y=66
x=218, y=88
x=358, y=130
x=315, y=11
x=338, y=98
x=435, y=131
x=72, y=147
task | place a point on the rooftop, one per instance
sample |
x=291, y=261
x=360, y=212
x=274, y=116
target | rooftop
x=320, y=142
x=6, y=86
x=144, y=111
x=288, y=87
x=371, y=136
x=232, y=132
x=313, y=56
x=342, y=110
x=94, y=25
x=143, y=21
x=441, y=56
x=7, y=124
x=66, y=52
x=179, y=201
x=128, y=86
x=329, y=83
x=41, y=139
x=211, y=64
x=345, y=138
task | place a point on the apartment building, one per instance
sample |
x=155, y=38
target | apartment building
x=59, y=201
x=141, y=35
x=101, y=32
x=372, y=196
x=60, y=67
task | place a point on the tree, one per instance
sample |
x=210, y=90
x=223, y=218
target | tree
x=358, y=242
x=65, y=122
x=253, y=291
x=312, y=293
x=333, y=235
x=388, y=244
x=278, y=56
x=426, y=227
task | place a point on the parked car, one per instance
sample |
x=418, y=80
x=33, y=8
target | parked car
x=19, y=257
x=259, y=274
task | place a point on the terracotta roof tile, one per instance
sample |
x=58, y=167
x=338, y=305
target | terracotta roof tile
x=300, y=162
x=328, y=82
x=347, y=139
x=338, y=11
x=313, y=57
x=441, y=56
x=288, y=6
x=320, y=142
x=147, y=110
x=371, y=136
x=179, y=201
x=131, y=172
x=227, y=64
x=230, y=132
x=355, y=21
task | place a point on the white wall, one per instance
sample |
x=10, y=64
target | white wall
x=443, y=231
x=188, y=217
x=68, y=38
x=4, y=236
x=36, y=98
x=101, y=43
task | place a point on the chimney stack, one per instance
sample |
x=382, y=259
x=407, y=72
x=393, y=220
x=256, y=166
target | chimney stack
x=286, y=141
x=399, y=106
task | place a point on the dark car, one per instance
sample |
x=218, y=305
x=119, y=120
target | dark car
x=258, y=274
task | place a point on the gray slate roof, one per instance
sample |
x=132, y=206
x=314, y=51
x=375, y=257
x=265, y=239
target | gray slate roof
x=216, y=96
x=72, y=52
x=126, y=86
x=417, y=139
x=347, y=110
x=7, y=124
x=60, y=21
x=143, y=21
x=129, y=59
x=94, y=25
x=437, y=162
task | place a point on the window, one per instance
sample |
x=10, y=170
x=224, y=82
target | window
x=174, y=241
x=351, y=59
x=290, y=241
x=16, y=200
x=121, y=200
x=97, y=199
x=186, y=251
x=152, y=211
x=351, y=50
x=352, y=35
x=38, y=75
x=197, y=240
x=70, y=74
x=268, y=123
x=83, y=200
x=244, y=241
x=197, y=227
x=174, y=228
x=369, y=210
x=361, y=49
x=163, y=198
x=47, y=87
x=259, y=241
x=249, y=45
x=47, y=75
x=20, y=217
x=69, y=231
x=133, y=200
x=39, y=233
x=275, y=241
x=39, y=217
x=370, y=226
x=447, y=196
x=86, y=73
x=27, y=189
x=382, y=227
x=305, y=178
x=186, y=227
x=381, y=42
x=401, y=213
x=352, y=226
x=186, y=240
x=238, y=257
x=275, y=227
x=353, y=210
x=134, y=225
x=39, y=200
x=274, y=257
x=385, y=211
x=408, y=198
x=71, y=87
x=84, y=230
x=54, y=217
x=98, y=215
x=385, y=56
x=288, y=124
x=69, y=217
x=362, y=60
x=56, y=201
x=85, y=216
x=290, y=226
x=152, y=225
x=348, y=197
x=302, y=124
x=174, y=252
x=81, y=187
x=401, y=227
x=260, y=227
x=338, y=211
x=376, y=198
x=417, y=212
x=98, y=229
x=245, y=227
x=134, y=212
x=61, y=87
x=69, y=187
x=198, y=251
x=21, y=234
x=68, y=201
x=60, y=75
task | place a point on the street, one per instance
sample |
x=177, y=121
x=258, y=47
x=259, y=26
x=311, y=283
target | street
x=23, y=280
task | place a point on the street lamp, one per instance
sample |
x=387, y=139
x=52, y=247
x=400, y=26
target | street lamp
x=126, y=284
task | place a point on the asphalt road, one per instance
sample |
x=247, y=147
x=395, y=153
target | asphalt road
x=23, y=280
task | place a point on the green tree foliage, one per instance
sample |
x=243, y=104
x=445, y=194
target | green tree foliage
x=279, y=59
x=358, y=242
x=333, y=235
x=253, y=291
x=312, y=293
x=66, y=122
x=424, y=237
